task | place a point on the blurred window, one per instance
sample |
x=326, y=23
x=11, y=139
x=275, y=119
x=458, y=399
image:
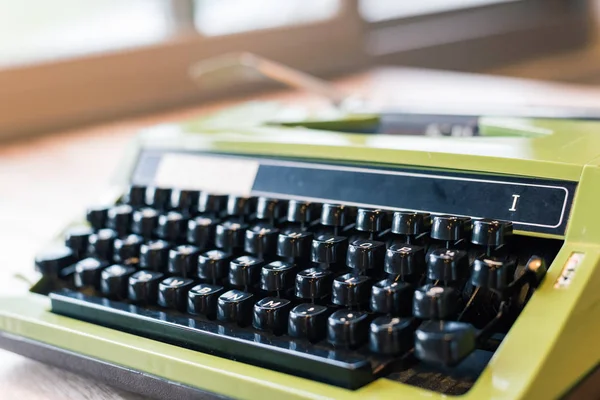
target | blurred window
x=76, y=62
x=223, y=17
x=33, y=31
x=383, y=10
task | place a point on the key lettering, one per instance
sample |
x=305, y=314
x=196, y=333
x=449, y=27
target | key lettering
x=435, y=290
x=144, y=277
x=116, y=270
x=204, y=221
x=233, y=296
x=514, y=203
x=391, y=324
x=492, y=262
x=271, y=304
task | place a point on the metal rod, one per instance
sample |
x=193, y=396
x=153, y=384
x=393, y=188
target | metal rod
x=270, y=69
x=468, y=304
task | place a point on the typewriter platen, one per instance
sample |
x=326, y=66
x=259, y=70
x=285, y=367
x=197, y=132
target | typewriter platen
x=271, y=261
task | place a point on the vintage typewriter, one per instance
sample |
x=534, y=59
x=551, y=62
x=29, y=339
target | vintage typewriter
x=332, y=258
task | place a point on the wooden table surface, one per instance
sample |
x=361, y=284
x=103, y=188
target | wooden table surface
x=45, y=180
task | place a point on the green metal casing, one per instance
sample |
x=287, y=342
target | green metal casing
x=552, y=345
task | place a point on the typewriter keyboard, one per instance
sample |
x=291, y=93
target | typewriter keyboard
x=328, y=292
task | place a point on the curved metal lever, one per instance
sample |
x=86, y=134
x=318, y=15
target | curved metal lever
x=272, y=70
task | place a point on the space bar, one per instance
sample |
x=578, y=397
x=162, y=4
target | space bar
x=336, y=367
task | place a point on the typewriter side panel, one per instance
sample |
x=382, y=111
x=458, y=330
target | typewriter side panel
x=553, y=344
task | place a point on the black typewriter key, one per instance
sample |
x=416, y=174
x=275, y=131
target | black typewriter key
x=391, y=335
x=450, y=228
x=135, y=196
x=348, y=328
x=154, y=255
x=270, y=210
x=328, y=250
x=144, y=222
x=143, y=287
x=183, y=260
x=405, y=260
x=102, y=244
x=491, y=233
x=294, y=244
x=491, y=273
x=127, y=249
x=203, y=299
x=230, y=236
x=536, y=268
x=410, y=224
x=201, y=231
x=173, y=292
x=365, y=255
x=240, y=206
x=313, y=283
x=271, y=314
x=303, y=212
x=235, y=306
x=391, y=297
x=435, y=302
x=277, y=276
x=97, y=216
x=335, y=215
x=212, y=203
x=444, y=342
x=171, y=226
x=213, y=265
x=371, y=221
x=447, y=265
x=245, y=271
x=114, y=281
x=119, y=219
x=261, y=240
x=351, y=290
x=527, y=277
x=87, y=272
x=158, y=198
x=185, y=201
x=78, y=239
x=53, y=259
x=308, y=321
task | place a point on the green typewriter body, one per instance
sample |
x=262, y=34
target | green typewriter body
x=330, y=259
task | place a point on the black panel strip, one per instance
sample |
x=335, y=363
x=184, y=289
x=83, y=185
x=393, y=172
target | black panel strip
x=337, y=367
x=532, y=204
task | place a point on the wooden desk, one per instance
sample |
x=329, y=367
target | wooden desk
x=43, y=180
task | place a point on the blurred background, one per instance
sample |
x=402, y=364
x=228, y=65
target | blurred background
x=66, y=63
